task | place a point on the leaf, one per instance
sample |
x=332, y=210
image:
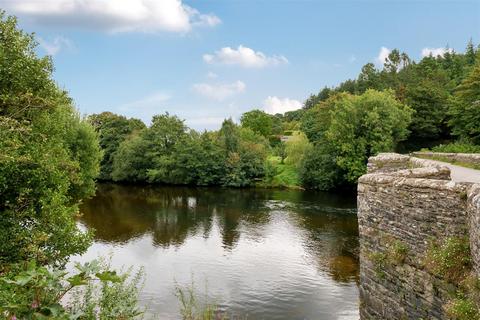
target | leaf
x=22, y=280
x=110, y=276
x=77, y=280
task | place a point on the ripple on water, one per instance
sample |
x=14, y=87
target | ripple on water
x=261, y=254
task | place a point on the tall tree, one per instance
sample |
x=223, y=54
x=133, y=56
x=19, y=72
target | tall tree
x=465, y=110
x=48, y=157
x=112, y=130
x=259, y=121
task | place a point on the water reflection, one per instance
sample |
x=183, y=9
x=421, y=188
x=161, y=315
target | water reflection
x=268, y=254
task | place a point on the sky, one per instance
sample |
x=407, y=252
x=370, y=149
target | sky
x=213, y=59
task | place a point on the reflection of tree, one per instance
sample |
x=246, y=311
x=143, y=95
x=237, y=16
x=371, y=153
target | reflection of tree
x=332, y=234
x=119, y=213
x=172, y=214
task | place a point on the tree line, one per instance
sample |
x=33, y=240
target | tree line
x=404, y=106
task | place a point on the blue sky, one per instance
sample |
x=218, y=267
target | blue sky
x=207, y=60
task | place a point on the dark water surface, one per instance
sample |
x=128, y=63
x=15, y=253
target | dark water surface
x=261, y=254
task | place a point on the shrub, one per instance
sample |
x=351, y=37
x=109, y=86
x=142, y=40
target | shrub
x=462, y=308
x=93, y=292
x=449, y=260
x=457, y=147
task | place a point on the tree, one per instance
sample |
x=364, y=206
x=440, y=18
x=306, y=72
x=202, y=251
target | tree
x=245, y=154
x=112, y=130
x=148, y=155
x=357, y=128
x=364, y=126
x=319, y=169
x=429, y=100
x=51, y=153
x=259, y=121
x=470, y=53
x=314, y=99
x=393, y=61
x=296, y=148
x=130, y=162
x=228, y=136
x=369, y=78
x=315, y=121
x=465, y=109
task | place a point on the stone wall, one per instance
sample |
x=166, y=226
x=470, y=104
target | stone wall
x=403, y=204
x=474, y=216
x=469, y=158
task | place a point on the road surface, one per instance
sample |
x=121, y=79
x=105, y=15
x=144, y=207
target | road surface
x=461, y=174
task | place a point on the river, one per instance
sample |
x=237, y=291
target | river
x=257, y=254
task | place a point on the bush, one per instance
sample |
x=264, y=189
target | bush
x=457, y=147
x=356, y=128
x=296, y=148
x=49, y=157
x=93, y=292
x=462, y=308
x=450, y=259
x=319, y=169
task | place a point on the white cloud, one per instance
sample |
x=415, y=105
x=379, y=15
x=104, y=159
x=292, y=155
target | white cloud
x=53, y=47
x=382, y=55
x=219, y=92
x=435, y=51
x=113, y=15
x=212, y=75
x=245, y=57
x=274, y=105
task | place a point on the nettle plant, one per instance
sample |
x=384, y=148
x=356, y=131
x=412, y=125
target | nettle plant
x=92, y=292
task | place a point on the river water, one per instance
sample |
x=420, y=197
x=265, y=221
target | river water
x=257, y=254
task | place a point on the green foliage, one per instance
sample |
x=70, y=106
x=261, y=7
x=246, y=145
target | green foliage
x=380, y=263
x=279, y=175
x=191, y=308
x=315, y=99
x=259, y=121
x=280, y=151
x=355, y=128
x=442, y=91
x=457, y=147
x=168, y=153
x=26, y=87
x=319, y=169
x=48, y=157
x=315, y=120
x=465, y=110
x=296, y=147
x=130, y=162
x=450, y=259
x=394, y=254
x=112, y=130
x=93, y=292
x=194, y=308
x=245, y=163
x=363, y=126
x=462, y=308
x=430, y=102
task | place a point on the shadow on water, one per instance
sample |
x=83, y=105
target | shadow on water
x=315, y=230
